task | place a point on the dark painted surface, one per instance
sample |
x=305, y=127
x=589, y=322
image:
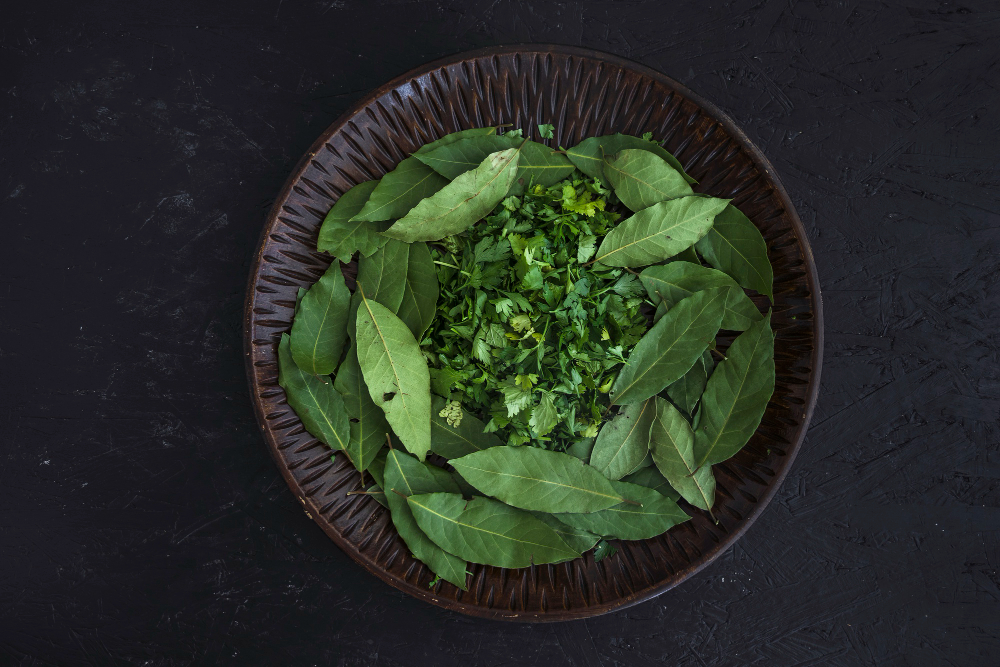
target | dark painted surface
x=142, y=519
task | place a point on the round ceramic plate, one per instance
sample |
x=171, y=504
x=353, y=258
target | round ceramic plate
x=584, y=94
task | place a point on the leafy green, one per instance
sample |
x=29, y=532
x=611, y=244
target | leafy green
x=537, y=479
x=320, y=325
x=461, y=202
x=641, y=178
x=660, y=231
x=735, y=246
x=736, y=395
x=672, y=444
x=342, y=237
x=368, y=425
x=623, y=442
x=679, y=280
x=420, y=290
x=545, y=131
x=604, y=550
x=400, y=190
x=396, y=374
x=671, y=347
x=588, y=155
x=647, y=515
x=407, y=476
x=383, y=276
x=314, y=400
x=483, y=530
x=457, y=437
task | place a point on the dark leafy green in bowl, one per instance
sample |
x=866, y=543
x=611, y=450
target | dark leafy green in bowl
x=544, y=323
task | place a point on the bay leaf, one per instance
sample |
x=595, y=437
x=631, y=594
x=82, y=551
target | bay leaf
x=368, y=424
x=537, y=163
x=649, y=514
x=341, y=236
x=659, y=232
x=454, y=442
x=456, y=136
x=670, y=347
x=383, y=276
x=623, y=442
x=582, y=449
x=320, y=325
x=420, y=290
x=407, y=476
x=377, y=471
x=537, y=479
x=679, y=280
x=736, y=395
x=483, y=530
x=313, y=399
x=588, y=155
x=687, y=391
x=400, y=190
x=735, y=246
x=651, y=478
x=672, y=444
x=396, y=374
x=577, y=539
x=459, y=204
x=641, y=178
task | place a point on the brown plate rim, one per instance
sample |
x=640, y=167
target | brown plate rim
x=812, y=277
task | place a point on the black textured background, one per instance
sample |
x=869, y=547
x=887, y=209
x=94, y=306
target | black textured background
x=142, y=520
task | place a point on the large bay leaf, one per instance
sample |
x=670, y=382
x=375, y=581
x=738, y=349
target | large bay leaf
x=458, y=205
x=735, y=246
x=672, y=444
x=368, y=424
x=651, y=478
x=736, y=395
x=647, y=515
x=454, y=442
x=537, y=164
x=420, y=290
x=623, y=442
x=659, y=232
x=537, y=479
x=382, y=277
x=396, y=374
x=579, y=540
x=483, y=530
x=588, y=155
x=314, y=400
x=641, y=178
x=670, y=347
x=455, y=136
x=679, y=280
x=687, y=391
x=320, y=325
x=407, y=476
x=400, y=190
x=341, y=236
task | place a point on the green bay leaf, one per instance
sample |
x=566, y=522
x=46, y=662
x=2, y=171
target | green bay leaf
x=578, y=539
x=456, y=136
x=623, y=443
x=651, y=478
x=320, y=325
x=537, y=479
x=588, y=155
x=483, y=530
x=679, y=280
x=687, y=391
x=400, y=190
x=341, y=236
x=672, y=444
x=735, y=246
x=659, y=232
x=454, y=442
x=736, y=395
x=407, y=476
x=671, y=347
x=368, y=424
x=641, y=178
x=383, y=276
x=396, y=374
x=420, y=290
x=649, y=514
x=459, y=204
x=313, y=399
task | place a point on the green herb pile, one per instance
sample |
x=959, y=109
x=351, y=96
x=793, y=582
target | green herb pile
x=543, y=321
